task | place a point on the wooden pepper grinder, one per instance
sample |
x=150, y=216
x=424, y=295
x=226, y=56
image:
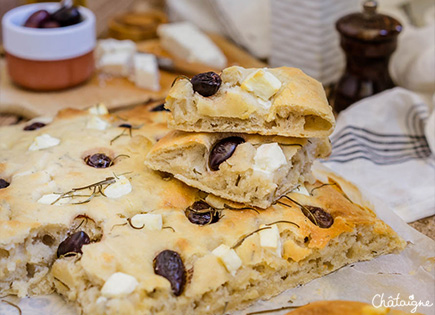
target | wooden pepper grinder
x=368, y=40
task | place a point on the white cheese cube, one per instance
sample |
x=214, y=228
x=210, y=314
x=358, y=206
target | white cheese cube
x=50, y=198
x=262, y=83
x=43, y=141
x=301, y=190
x=146, y=72
x=150, y=221
x=270, y=238
x=96, y=122
x=119, y=285
x=184, y=40
x=119, y=188
x=228, y=257
x=269, y=157
x=98, y=109
x=116, y=63
x=110, y=45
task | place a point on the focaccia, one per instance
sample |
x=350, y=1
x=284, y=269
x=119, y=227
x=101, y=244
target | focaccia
x=278, y=101
x=251, y=169
x=81, y=215
x=344, y=307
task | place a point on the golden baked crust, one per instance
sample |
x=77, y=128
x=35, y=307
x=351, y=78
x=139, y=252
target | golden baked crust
x=31, y=231
x=238, y=178
x=298, y=109
x=344, y=307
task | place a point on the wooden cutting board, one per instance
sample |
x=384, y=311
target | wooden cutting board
x=113, y=92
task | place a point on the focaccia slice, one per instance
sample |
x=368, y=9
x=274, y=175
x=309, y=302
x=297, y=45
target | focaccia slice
x=251, y=169
x=338, y=307
x=221, y=259
x=146, y=243
x=281, y=101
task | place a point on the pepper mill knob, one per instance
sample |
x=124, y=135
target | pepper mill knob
x=370, y=7
x=368, y=40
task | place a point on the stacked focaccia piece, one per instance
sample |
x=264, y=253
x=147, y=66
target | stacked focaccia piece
x=82, y=216
x=247, y=135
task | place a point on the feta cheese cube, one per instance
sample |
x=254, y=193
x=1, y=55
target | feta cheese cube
x=184, y=40
x=110, y=45
x=118, y=63
x=150, y=221
x=270, y=238
x=262, y=83
x=269, y=157
x=96, y=122
x=228, y=257
x=119, y=188
x=50, y=198
x=119, y=285
x=146, y=73
x=98, y=109
x=43, y=141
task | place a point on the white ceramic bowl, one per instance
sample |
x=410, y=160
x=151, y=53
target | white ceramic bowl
x=48, y=58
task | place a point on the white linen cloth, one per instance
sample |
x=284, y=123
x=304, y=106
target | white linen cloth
x=413, y=64
x=303, y=35
x=386, y=143
x=380, y=144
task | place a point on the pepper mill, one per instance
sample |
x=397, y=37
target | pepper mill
x=368, y=40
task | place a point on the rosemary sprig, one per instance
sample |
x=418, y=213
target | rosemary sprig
x=134, y=227
x=306, y=212
x=213, y=212
x=119, y=136
x=97, y=190
x=244, y=208
x=117, y=157
x=124, y=129
x=291, y=145
x=283, y=221
x=13, y=305
x=168, y=227
x=267, y=226
x=119, y=224
x=178, y=77
x=244, y=237
x=61, y=282
x=275, y=310
x=323, y=185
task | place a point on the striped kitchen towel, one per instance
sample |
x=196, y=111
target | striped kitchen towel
x=383, y=143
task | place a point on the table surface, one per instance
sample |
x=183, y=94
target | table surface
x=425, y=226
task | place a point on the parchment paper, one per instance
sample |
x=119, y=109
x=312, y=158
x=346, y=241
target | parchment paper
x=410, y=274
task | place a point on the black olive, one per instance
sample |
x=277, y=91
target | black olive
x=202, y=213
x=323, y=218
x=50, y=24
x=168, y=264
x=160, y=108
x=3, y=183
x=37, y=19
x=125, y=126
x=34, y=126
x=222, y=151
x=73, y=244
x=207, y=83
x=98, y=160
x=66, y=16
